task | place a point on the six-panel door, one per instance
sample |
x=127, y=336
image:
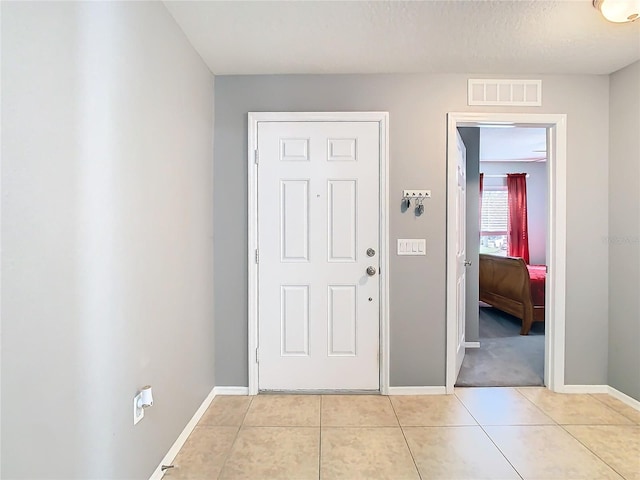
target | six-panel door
x=318, y=214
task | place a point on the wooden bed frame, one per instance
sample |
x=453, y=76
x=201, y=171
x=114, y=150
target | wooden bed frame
x=505, y=284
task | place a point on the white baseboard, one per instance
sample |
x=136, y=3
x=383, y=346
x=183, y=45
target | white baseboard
x=179, y=443
x=585, y=389
x=624, y=398
x=471, y=344
x=417, y=390
x=231, y=390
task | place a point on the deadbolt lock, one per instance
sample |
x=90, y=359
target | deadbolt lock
x=370, y=252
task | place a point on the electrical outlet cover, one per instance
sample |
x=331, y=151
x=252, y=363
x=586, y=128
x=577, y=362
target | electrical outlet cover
x=138, y=412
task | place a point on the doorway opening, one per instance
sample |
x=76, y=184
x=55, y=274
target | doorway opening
x=507, y=186
x=554, y=126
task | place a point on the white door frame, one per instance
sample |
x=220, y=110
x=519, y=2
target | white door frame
x=383, y=120
x=556, y=125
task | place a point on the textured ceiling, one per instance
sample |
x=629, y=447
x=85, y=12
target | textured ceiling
x=454, y=36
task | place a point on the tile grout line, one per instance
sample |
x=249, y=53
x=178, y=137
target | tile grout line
x=578, y=394
x=610, y=407
x=406, y=442
x=233, y=444
x=465, y=407
x=539, y=408
x=500, y=450
x=562, y=426
x=598, y=425
x=589, y=449
x=489, y=437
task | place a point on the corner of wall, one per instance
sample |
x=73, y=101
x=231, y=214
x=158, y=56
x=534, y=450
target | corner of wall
x=623, y=238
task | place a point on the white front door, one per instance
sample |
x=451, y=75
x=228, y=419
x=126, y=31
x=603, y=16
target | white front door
x=461, y=251
x=318, y=233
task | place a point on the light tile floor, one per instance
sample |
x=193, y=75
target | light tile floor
x=478, y=433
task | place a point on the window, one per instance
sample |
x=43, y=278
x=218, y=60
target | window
x=494, y=218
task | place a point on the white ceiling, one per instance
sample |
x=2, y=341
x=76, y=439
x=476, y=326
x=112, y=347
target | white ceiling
x=436, y=36
x=517, y=144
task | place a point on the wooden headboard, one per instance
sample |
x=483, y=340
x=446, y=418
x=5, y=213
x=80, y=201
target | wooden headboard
x=505, y=284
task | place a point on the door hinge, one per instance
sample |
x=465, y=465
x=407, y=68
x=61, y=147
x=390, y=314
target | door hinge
x=257, y=355
x=257, y=256
x=256, y=156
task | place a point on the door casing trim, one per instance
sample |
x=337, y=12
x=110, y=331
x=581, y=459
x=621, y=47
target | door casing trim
x=555, y=295
x=382, y=118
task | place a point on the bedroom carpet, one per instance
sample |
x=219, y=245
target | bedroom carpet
x=505, y=358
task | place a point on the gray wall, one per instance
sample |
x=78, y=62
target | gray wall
x=624, y=232
x=537, y=200
x=107, y=255
x=418, y=105
x=471, y=138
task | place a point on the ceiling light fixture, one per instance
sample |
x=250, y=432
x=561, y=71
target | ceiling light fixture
x=618, y=11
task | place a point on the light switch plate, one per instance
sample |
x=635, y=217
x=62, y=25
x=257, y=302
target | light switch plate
x=412, y=246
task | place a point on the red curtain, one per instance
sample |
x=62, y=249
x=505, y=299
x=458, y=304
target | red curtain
x=518, y=230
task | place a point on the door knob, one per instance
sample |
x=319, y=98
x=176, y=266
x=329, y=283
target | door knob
x=371, y=271
x=467, y=263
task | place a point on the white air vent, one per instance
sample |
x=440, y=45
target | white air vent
x=505, y=92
